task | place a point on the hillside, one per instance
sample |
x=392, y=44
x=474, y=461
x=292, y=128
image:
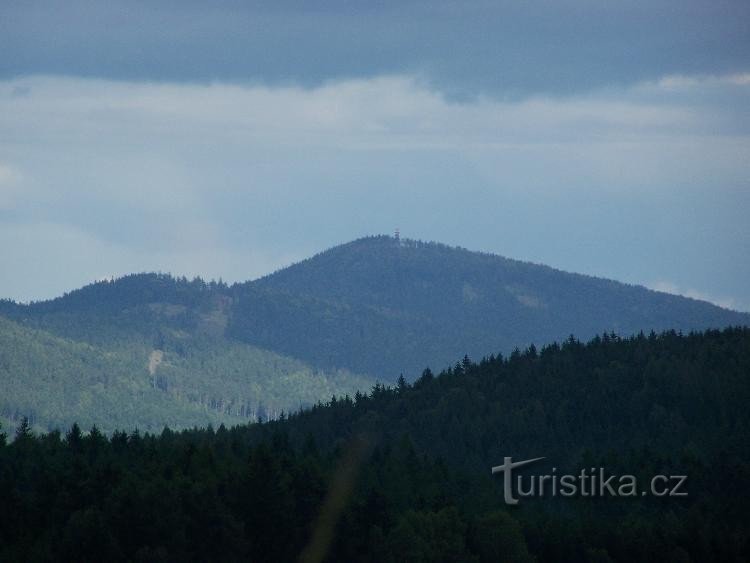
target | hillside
x=368, y=310
x=55, y=382
x=125, y=384
x=672, y=394
x=403, y=473
x=384, y=307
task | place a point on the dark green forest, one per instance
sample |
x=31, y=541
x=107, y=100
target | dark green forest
x=402, y=473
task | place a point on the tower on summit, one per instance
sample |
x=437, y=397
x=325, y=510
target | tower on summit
x=397, y=235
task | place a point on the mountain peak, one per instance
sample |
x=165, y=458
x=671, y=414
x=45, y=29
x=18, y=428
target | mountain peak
x=382, y=306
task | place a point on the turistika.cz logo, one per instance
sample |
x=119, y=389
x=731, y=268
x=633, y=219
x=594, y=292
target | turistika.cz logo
x=590, y=482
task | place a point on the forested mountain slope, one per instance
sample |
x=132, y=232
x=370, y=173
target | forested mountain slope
x=671, y=393
x=403, y=473
x=127, y=381
x=378, y=307
x=385, y=307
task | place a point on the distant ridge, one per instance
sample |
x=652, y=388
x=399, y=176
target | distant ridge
x=376, y=306
x=384, y=306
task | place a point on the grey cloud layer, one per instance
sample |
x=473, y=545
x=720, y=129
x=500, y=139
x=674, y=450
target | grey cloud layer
x=464, y=48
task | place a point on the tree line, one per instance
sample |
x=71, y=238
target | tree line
x=403, y=472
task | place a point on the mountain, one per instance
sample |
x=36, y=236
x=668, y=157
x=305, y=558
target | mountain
x=669, y=393
x=403, y=473
x=384, y=306
x=191, y=352
x=146, y=351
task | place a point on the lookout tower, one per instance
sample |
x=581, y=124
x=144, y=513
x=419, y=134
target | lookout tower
x=397, y=235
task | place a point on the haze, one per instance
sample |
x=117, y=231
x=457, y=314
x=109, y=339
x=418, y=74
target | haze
x=233, y=140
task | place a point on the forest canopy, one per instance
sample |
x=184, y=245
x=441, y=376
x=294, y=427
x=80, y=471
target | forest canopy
x=410, y=467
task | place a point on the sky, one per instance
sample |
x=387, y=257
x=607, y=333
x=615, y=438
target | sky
x=228, y=139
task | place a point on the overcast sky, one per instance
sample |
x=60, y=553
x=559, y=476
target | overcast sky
x=228, y=139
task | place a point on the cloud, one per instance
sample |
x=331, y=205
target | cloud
x=498, y=49
x=232, y=180
x=674, y=289
x=678, y=81
x=9, y=186
x=43, y=259
x=385, y=112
